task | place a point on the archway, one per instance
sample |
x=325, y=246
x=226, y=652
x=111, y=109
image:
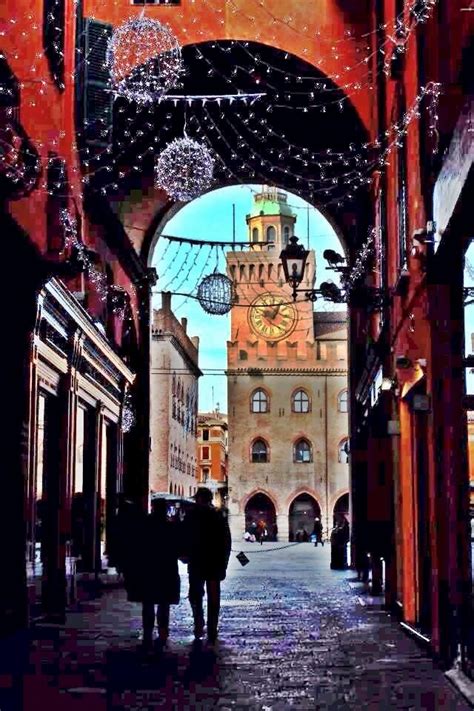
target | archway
x=303, y=510
x=260, y=507
x=341, y=507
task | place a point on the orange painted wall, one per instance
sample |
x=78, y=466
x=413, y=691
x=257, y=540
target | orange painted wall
x=207, y=20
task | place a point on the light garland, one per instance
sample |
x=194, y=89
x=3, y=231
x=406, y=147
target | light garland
x=184, y=169
x=96, y=276
x=359, y=268
x=144, y=59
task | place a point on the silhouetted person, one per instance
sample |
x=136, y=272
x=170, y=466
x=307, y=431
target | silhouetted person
x=318, y=532
x=339, y=541
x=207, y=546
x=127, y=529
x=161, y=583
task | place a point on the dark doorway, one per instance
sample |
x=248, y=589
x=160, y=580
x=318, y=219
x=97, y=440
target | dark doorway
x=303, y=510
x=341, y=507
x=260, y=508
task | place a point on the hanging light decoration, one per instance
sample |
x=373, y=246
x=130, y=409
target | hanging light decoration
x=144, y=59
x=184, y=169
x=128, y=413
x=216, y=294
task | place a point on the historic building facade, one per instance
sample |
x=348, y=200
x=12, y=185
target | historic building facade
x=287, y=389
x=173, y=403
x=212, y=453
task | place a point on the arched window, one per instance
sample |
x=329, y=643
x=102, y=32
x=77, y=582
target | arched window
x=300, y=401
x=302, y=451
x=271, y=234
x=255, y=234
x=286, y=235
x=342, y=401
x=259, y=402
x=343, y=451
x=259, y=451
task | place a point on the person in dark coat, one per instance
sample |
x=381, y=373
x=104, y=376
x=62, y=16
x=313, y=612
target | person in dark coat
x=159, y=579
x=206, y=545
x=318, y=532
x=339, y=541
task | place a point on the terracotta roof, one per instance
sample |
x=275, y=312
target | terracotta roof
x=328, y=322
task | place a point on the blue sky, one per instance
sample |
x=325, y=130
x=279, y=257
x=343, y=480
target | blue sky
x=180, y=269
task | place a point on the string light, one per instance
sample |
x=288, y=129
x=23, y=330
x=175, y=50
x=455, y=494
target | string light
x=96, y=276
x=144, y=59
x=184, y=169
x=128, y=418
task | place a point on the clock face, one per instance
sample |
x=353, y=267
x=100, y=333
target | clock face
x=272, y=317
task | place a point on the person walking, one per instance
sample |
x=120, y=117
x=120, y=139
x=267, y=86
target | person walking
x=148, y=559
x=261, y=531
x=318, y=532
x=207, y=544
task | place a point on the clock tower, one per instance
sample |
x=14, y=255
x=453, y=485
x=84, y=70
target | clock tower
x=265, y=322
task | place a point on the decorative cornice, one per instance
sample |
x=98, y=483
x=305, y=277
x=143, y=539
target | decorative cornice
x=59, y=293
x=252, y=372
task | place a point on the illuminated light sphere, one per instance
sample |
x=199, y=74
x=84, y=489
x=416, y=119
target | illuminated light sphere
x=184, y=169
x=216, y=294
x=128, y=414
x=144, y=59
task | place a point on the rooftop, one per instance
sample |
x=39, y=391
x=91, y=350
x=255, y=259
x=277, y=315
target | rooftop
x=271, y=201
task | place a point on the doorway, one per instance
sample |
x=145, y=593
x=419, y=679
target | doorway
x=303, y=510
x=260, y=508
x=341, y=508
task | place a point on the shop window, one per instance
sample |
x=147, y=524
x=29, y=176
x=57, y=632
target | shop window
x=302, y=451
x=300, y=401
x=259, y=401
x=259, y=452
x=342, y=401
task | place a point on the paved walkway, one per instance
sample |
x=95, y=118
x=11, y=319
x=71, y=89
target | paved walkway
x=293, y=636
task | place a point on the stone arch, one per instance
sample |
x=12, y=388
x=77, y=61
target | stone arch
x=340, y=503
x=302, y=511
x=259, y=490
x=260, y=507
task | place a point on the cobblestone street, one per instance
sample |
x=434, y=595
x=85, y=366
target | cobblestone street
x=293, y=634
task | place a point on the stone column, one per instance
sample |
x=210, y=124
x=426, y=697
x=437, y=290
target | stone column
x=283, y=528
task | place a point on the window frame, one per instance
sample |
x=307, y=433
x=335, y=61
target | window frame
x=266, y=400
x=293, y=401
x=296, y=445
x=266, y=453
x=343, y=396
x=341, y=450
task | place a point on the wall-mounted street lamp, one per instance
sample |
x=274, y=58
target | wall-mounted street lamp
x=293, y=259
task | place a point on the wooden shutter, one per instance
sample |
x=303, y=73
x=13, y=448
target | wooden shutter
x=97, y=98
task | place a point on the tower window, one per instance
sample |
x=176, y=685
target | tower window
x=271, y=234
x=342, y=401
x=302, y=451
x=255, y=234
x=259, y=451
x=300, y=401
x=286, y=235
x=259, y=402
